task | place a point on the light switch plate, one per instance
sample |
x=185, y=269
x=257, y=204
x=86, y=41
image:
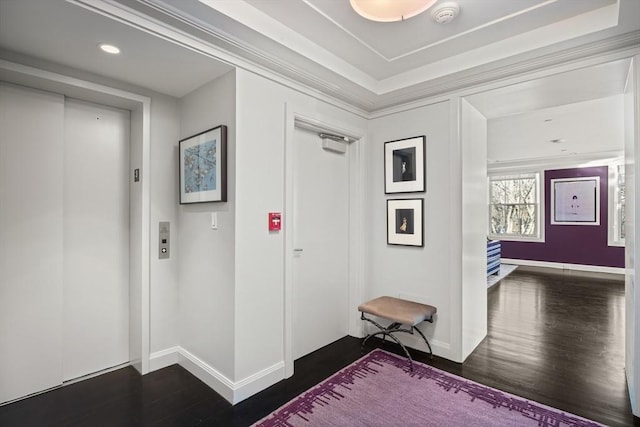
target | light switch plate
x=214, y=220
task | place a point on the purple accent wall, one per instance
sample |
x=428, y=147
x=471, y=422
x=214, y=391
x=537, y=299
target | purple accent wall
x=571, y=244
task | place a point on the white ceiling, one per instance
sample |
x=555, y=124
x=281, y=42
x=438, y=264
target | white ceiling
x=384, y=50
x=569, y=117
x=375, y=65
x=63, y=33
x=175, y=46
x=588, y=130
x=571, y=87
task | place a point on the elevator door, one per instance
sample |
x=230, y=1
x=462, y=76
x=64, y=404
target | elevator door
x=64, y=239
x=96, y=238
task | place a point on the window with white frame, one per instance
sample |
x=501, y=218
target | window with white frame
x=616, y=204
x=620, y=202
x=514, y=207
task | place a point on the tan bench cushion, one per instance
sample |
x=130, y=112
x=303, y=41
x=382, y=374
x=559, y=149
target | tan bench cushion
x=398, y=310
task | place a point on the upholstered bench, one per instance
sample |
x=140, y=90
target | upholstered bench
x=400, y=312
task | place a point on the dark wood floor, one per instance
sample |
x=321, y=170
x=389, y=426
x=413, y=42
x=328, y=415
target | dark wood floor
x=556, y=339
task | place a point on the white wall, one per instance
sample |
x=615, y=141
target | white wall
x=231, y=280
x=205, y=256
x=420, y=274
x=474, y=222
x=260, y=257
x=165, y=132
x=259, y=254
x=632, y=206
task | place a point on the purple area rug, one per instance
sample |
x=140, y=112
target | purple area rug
x=380, y=390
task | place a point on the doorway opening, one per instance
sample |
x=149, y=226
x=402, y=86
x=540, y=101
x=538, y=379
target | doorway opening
x=532, y=113
x=139, y=106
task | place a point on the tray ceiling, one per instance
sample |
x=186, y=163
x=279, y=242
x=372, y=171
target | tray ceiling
x=174, y=46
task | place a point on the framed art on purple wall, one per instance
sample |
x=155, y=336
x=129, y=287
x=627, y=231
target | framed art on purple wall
x=203, y=166
x=404, y=165
x=575, y=201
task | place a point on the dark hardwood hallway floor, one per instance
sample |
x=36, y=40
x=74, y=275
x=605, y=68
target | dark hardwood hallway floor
x=553, y=338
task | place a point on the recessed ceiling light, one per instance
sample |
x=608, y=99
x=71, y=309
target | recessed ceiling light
x=109, y=48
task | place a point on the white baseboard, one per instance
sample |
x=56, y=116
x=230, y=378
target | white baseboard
x=564, y=266
x=257, y=382
x=207, y=374
x=163, y=358
x=233, y=392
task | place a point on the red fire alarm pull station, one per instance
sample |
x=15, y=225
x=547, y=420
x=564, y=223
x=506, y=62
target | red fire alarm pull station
x=275, y=221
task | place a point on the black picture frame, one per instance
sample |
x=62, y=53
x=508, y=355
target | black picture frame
x=404, y=165
x=203, y=166
x=405, y=222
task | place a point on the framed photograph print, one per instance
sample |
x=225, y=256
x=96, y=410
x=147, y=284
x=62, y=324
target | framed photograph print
x=203, y=167
x=404, y=222
x=575, y=201
x=404, y=163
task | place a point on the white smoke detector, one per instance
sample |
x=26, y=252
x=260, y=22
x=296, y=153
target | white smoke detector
x=445, y=12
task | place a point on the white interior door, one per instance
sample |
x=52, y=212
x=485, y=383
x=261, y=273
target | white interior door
x=96, y=239
x=321, y=244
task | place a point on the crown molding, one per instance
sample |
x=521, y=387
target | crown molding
x=516, y=69
x=282, y=66
x=558, y=162
x=260, y=64
x=272, y=29
x=277, y=66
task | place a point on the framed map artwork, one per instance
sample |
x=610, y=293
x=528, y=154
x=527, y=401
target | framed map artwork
x=203, y=167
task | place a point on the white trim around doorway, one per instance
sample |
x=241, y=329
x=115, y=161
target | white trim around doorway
x=140, y=107
x=297, y=116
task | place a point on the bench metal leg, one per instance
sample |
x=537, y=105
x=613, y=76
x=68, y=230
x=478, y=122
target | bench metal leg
x=425, y=340
x=389, y=331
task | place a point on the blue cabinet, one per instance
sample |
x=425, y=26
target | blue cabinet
x=493, y=257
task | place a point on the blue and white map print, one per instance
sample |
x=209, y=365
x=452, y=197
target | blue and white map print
x=200, y=167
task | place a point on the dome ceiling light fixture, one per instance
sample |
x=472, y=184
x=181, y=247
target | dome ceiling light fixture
x=390, y=10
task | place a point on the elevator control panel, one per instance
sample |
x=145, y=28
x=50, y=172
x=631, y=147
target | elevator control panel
x=164, y=240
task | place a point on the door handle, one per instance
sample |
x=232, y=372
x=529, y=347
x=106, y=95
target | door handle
x=297, y=250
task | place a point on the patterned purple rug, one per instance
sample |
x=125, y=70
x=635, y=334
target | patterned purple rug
x=380, y=390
